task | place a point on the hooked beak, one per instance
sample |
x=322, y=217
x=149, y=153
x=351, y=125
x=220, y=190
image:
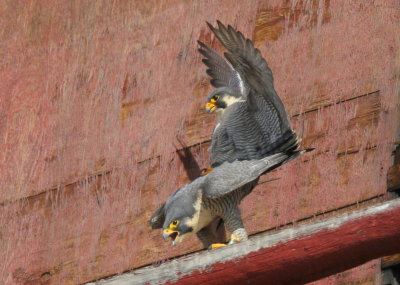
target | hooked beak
x=210, y=107
x=167, y=233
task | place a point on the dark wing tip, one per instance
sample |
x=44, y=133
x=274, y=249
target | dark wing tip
x=201, y=44
x=220, y=25
x=210, y=26
x=203, y=49
x=202, y=52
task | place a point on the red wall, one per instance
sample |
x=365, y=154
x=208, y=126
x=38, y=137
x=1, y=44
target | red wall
x=95, y=94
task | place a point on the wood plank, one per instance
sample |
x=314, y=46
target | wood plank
x=88, y=102
x=107, y=217
x=356, y=122
x=317, y=66
x=271, y=22
x=293, y=256
x=305, y=188
x=110, y=212
x=79, y=100
x=358, y=125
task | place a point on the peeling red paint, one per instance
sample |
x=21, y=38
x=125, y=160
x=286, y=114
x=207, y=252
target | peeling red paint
x=94, y=95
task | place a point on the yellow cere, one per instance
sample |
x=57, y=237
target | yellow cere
x=168, y=231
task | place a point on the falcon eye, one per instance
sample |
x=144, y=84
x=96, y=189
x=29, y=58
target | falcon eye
x=214, y=99
x=174, y=223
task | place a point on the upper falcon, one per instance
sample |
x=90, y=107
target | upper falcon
x=252, y=121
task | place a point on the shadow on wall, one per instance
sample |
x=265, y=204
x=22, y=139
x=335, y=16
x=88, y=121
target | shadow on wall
x=190, y=164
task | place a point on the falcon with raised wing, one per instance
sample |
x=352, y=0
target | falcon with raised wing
x=252, y=121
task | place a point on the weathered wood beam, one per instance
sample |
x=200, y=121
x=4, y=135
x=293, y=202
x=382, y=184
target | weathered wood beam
x=366, y=114
x=292, y=256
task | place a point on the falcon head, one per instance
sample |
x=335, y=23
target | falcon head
x=220, y=99
x=177, y=230
x=182, y=216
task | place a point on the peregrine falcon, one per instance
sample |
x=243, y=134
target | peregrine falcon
x=194, y=207
x=252, y=121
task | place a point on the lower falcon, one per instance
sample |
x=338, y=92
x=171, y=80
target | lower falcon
x=193, y=208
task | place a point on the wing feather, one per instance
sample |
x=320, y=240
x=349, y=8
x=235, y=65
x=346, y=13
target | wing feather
x=230, y=176
x=252, y=68
x=221, y=72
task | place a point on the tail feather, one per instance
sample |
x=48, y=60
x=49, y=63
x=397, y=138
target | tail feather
x=290, y=141
x=290, y=155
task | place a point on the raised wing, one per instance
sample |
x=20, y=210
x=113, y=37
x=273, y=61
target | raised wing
x=252, y=68
x=221, y=72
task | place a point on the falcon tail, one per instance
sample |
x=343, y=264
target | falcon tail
x=288, y=156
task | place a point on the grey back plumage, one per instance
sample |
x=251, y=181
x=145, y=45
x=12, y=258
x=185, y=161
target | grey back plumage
x=258, y=126
x=232, y=175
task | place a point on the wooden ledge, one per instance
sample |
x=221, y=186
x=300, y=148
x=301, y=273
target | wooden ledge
x=296, y=255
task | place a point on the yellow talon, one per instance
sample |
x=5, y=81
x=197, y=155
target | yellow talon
x=217, y=245
x=236, y=239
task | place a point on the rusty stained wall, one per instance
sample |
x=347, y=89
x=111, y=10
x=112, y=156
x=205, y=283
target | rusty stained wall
x=97, y=95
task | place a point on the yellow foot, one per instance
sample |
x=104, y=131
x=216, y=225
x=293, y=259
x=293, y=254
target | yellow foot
x=234, y=240
x=217, y=245
x=205, y=171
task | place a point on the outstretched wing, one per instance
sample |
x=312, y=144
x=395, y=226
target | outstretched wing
x=229, y=176
x=252, y=68
x=221, y=72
